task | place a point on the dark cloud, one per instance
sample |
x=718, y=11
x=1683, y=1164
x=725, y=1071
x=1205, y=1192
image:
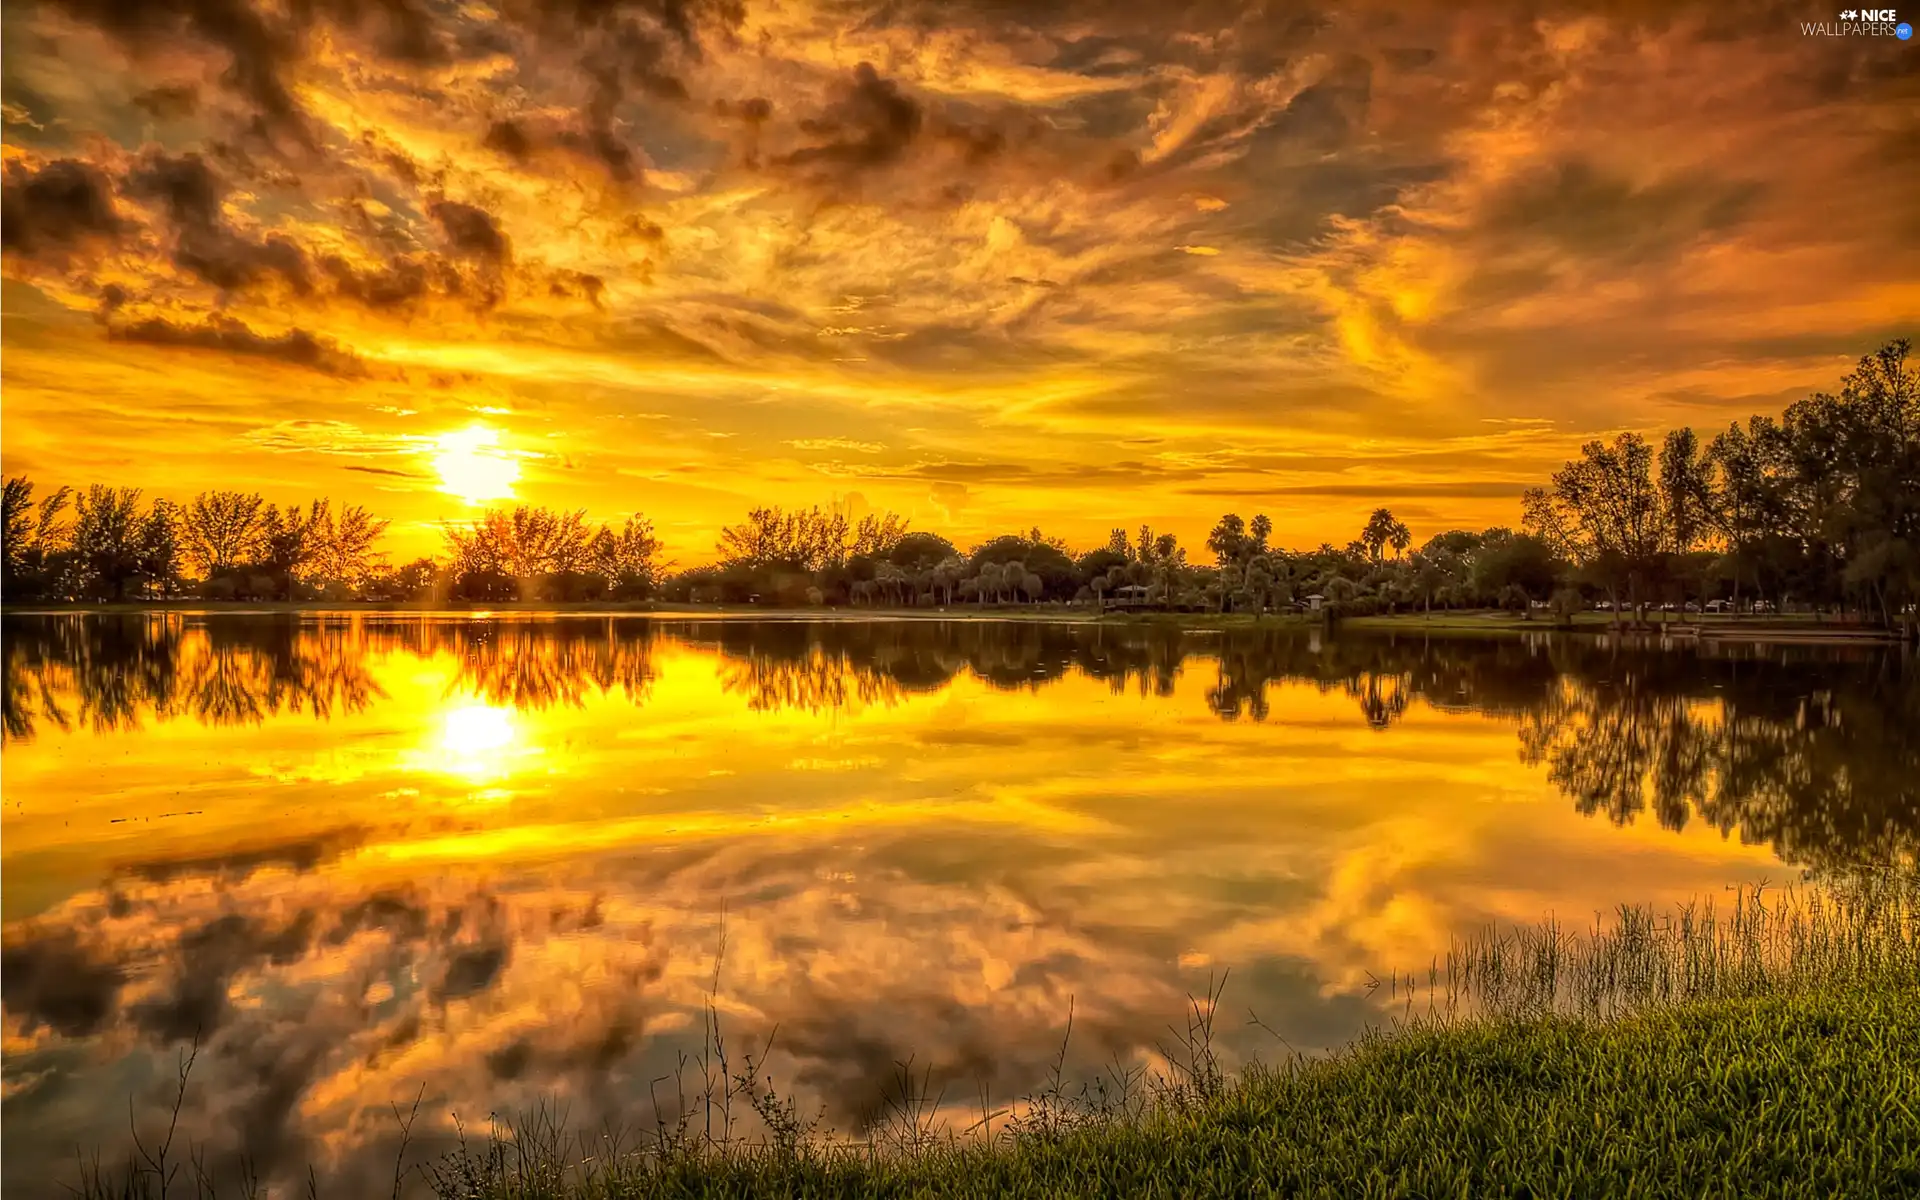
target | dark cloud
x=302, y=854
x=204, y=244
x=871, y=125
x=397, y=283
x=52, y=981
x=1327, y=112
x=206, y=959
x=577, y=283
x=751, y=111
x=54, y=211
x=401, y=31
x=169, y=101
x=1589, y=213
x=472, y=232
x=639, y=48
x=389, y=471
x=471, y=970
x=257, y=50
x=395, y=913
x=228, y=336
x=510, y=138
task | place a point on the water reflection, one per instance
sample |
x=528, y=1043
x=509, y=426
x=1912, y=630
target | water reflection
x=488, y=857
x=1811, y=752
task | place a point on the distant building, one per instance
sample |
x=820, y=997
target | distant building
x=1314, y=601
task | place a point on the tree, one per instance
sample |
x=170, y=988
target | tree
x=1035, y=552
x=1031, y=585
x=1603, y=513
x=807, y=540
x=221, y=530
x=343, y=544
x=1227, y=538
x=877, y=536
x=1505, y=560
x=287, y=545
x=921, y=551
x=628, y=559
x=1690, y=506
x=1381, y=531
x=524, y=553
x=987, y=581
x=161, y=558
x=1232, y=547
x=1752, y=509
x=37, y=540
x=1258, y=531
x=107, y=534
x=1869, y=439
x=413, y=581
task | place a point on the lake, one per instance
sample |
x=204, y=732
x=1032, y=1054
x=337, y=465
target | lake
x=485, y=861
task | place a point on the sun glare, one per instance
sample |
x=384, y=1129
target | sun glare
x=472, y=465
x=477, y=742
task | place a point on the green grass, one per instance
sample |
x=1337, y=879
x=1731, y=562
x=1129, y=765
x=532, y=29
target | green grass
x=1769, y=1046
x=1805, y=1095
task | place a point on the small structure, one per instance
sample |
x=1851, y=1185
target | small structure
x=1133, y=595
x=1315, y=601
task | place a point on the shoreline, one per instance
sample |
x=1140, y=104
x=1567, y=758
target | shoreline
x=1774, y=630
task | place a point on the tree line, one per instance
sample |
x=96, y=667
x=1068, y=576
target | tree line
x=106, y=543
x=1817, y=508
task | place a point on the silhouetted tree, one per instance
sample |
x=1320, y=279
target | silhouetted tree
x=221, y=530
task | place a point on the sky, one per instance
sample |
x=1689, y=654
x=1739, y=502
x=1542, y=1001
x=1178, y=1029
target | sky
x=986, y=263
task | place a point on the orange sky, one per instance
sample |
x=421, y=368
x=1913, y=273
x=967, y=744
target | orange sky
x=981, y=262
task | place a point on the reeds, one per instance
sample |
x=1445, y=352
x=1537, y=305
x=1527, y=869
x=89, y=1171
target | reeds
x=1534, y=1060
x=1857, y=929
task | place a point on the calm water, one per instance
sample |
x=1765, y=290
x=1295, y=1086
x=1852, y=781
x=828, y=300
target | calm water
x=367, y=855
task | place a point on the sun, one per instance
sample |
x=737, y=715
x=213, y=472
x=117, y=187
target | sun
x=472, y=466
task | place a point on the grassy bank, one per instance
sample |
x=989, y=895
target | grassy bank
x=1765, y=1047
x=1801, y=1095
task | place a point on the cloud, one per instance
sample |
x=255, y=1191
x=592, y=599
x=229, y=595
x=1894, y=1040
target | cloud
x=295, y=347
x=1039, y=228
x=472, y=232
x=390, y=471
x=52, y=212
x=835, y=443
x=257, y=48
x=204, y=244
x=54, y=981
x=870, y=125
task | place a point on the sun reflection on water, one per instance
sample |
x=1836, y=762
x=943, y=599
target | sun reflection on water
x=478, y=743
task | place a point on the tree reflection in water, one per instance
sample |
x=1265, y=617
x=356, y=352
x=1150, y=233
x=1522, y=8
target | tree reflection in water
x=1813, y=752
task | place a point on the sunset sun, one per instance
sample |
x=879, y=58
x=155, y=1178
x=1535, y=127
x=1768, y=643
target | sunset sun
x=472, y=465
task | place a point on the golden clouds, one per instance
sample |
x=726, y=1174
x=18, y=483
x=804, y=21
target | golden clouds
x=1069, y=224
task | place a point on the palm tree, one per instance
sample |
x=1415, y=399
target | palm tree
x=1383, y=531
